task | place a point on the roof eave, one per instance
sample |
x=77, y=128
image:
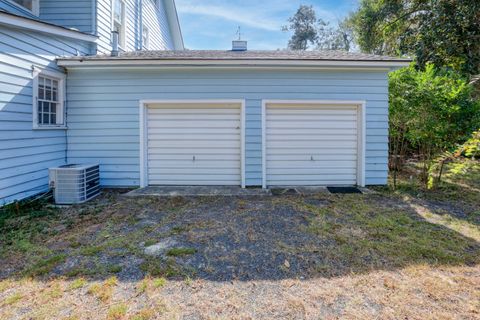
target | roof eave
x=40, y=26
x=178, y=63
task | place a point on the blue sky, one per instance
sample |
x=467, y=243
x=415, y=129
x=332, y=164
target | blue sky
x=212, y=24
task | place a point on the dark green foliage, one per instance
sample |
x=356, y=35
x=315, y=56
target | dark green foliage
x=443, y=32
x=431, y=111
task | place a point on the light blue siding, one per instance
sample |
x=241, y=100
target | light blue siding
x=104, y=125
x=75, y=14
x=152, y=16
x=25, y=154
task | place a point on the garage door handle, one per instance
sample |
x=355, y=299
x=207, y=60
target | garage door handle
x=311, y=158
x=193, y=158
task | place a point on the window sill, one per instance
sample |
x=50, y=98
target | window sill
x=50, y=128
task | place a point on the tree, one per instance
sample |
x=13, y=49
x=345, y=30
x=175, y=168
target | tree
x=303, y=25
x=310, y=31
x=431, y=111
x=443, y=32
x=331, y=38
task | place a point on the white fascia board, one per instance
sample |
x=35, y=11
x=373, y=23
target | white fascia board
x=229, y=63
x=26, y=23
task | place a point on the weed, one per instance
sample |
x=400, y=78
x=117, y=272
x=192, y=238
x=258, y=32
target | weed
x=77, y=284
x=103, y=291
x=117, y=312
x=160, y=268
x=144, y=314
x=13, y=299
x=175, y=252
x=45, y=266
x=159, y=282
x=143, y=285
x=114, y=268
x=90, y=250
x=150, y=242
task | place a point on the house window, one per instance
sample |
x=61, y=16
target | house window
x=119, y=21
x=30, y=5
x=48, y=99
x=145, y=38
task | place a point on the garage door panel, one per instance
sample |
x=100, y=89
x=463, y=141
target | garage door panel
x=310, y=131
x=317, y=182
x=194, y=137
x=312, y=138
x=193, y=131
x=311, y=145
x=308, y=117
x=196, y=170
x=188, y=117
x=307, y=152
x=312, y=124
x=210, y=158
x=194, y=124
x=194, y=145
x=307, y=163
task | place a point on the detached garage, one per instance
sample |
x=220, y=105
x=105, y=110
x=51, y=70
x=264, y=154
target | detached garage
x=245, y=118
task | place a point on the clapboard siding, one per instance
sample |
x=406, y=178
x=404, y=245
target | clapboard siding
x=103, y=107
x=138, y=12
x=25, y=154
x=68, y=13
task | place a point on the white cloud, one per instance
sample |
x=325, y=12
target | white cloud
x=255, y=16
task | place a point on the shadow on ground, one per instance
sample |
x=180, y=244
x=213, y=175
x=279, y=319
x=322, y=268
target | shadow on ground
x=230, y=238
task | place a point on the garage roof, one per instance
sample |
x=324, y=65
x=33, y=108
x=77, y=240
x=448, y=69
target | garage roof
x=250, y=57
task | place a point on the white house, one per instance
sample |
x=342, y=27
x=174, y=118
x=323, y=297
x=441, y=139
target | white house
x=155, y=114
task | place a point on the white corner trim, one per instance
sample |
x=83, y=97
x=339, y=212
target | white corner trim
x=39, y=26
x=361, y=142
x=143, y=144
x=174, y=24
x=264, y=147
x=143, y=105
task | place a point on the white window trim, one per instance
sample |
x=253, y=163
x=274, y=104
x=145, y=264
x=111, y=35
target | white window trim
x=61, y=94
x=122, y=38
x=143, y=105
x=361, y=131
x=35, y=7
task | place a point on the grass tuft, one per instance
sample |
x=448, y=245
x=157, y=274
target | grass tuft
x=117, y=312
x=176, y=252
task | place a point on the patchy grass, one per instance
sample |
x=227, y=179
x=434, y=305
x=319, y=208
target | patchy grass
x=117, y=312
x=78, y=283
x=14, y=298
x=176, y=252
x=103, y=291
x=404, y=253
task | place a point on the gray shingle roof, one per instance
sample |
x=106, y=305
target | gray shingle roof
x=243, y=55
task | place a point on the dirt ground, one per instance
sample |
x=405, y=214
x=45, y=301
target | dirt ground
x=384, y=255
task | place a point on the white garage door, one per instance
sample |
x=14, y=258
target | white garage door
x=194, y=144
x=311, y=145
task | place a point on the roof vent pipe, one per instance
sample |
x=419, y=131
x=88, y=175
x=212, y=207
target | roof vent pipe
x=114, y=52
x=239, y=44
